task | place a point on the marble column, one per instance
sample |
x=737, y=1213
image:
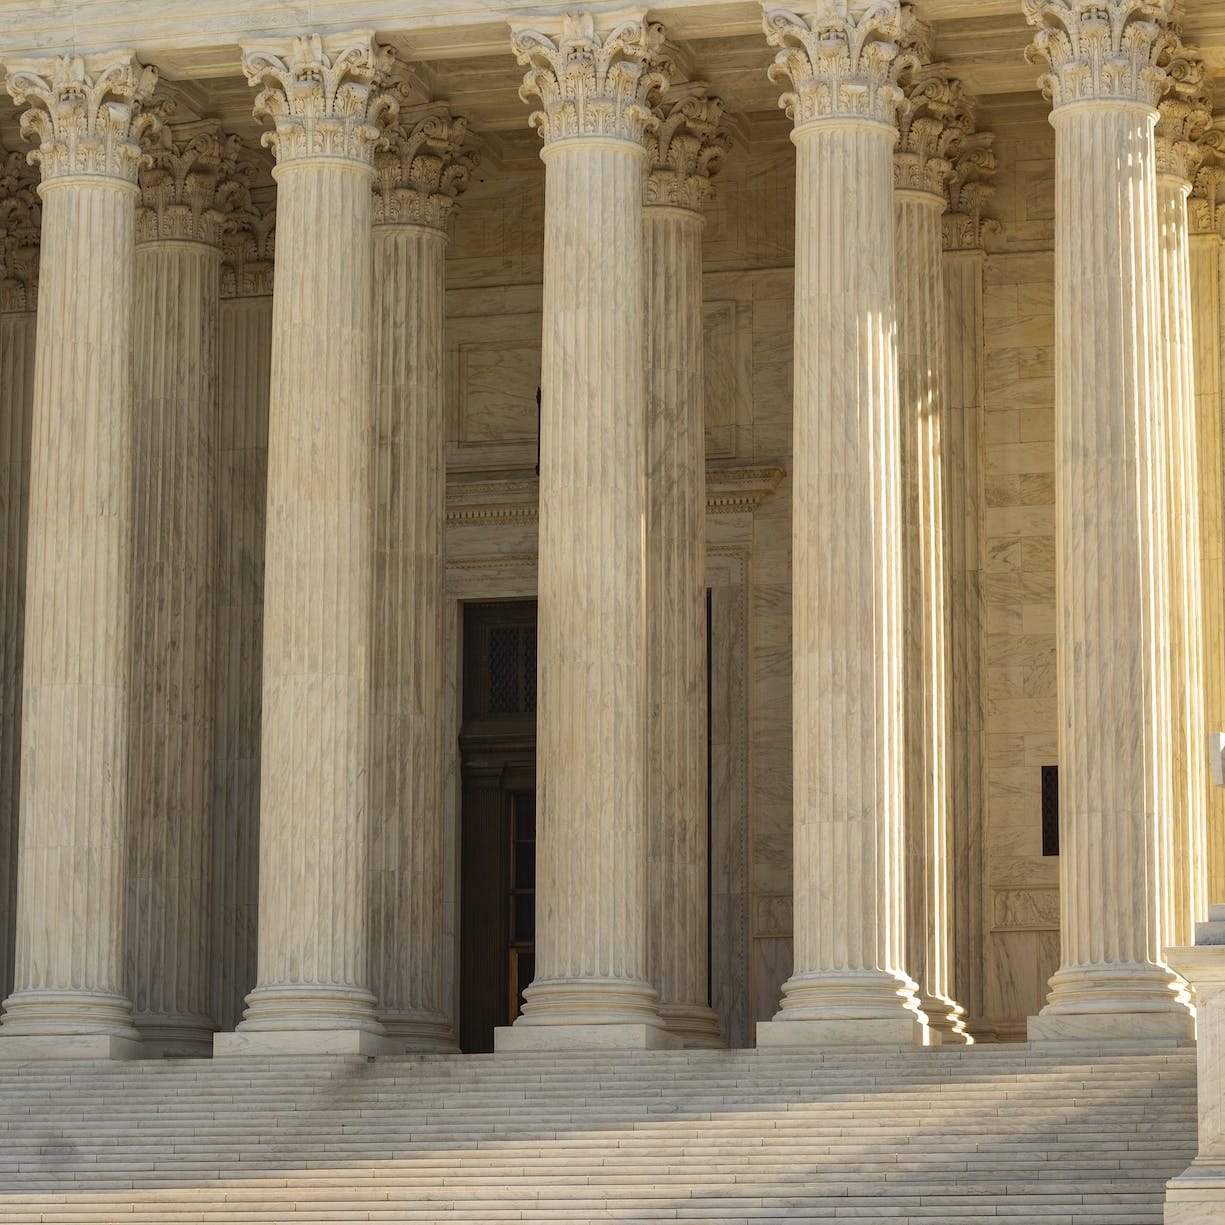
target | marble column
x=683, y=152
x=848, y=983
x=1207, y=280
x=596, y=83
x=418, y=178
x=1181, y=120
x=313, y=994
x=187, y=190
x=933, y=119
x=1111, y=486
x=19, y=236
x=87, y=114
x=963, y=229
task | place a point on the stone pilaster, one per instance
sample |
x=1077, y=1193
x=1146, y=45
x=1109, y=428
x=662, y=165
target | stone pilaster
x=684, y=151
x=87, y=114
x=418, y=178
x=1207, y=279
x=961, y=453
x=596, y=84
x=1106, y=71
x=1183, y=119
x=848, y=983
x=935, y=117
x=187, y=191
x=329, y=109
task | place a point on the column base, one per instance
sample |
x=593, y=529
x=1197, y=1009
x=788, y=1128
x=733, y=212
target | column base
x=904, y=1030
x=420, y=1032
x=1108, y=1026
x=1125, y=1000
x=21, y=1047
x=48, y=1013
x=614, y=1036
x=946, y=1021
x=1197, y=1195
x=261, y=1043
x=696, y=1025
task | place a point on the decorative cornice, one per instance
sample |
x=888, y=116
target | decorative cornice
x=324, y=96
x=686, y=150
x=20, y=225
x=514, y=499
x=844, y=58
x=191, y=184
x=248, y=252
x=967, y=194
x=422, y=169
x=935, y=118
x=1124, y=50
x=88, y=112
x=593, y=80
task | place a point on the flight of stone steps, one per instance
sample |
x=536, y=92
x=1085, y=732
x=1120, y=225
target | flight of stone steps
x=1004, y=1133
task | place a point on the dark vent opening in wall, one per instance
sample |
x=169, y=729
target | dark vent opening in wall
x=1050, y=810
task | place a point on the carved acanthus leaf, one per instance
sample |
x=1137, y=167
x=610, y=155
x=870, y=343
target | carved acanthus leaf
x=967, y=193
x=592, y=81
x=422, y=169
x=87, y=112
x=20, y=225
x=248, y=251
x=192, y=182
x=686, y=150
x=845, y=57
x=935, y=118
x=1206, y=207
x=324, y=97
x=1118, y=49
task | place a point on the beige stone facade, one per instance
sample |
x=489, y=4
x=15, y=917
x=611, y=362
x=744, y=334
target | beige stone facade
x=876, y=466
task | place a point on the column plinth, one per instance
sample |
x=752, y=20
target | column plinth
x=848, y=984
x=313, y=992
x=1112, y=531
x=417, y=180
x=70, y=996
x=591, y=988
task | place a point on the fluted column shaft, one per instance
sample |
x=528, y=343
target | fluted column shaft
x=846, y=605
x=1187, y=863
x=71, y=880
x=925, y=619
x=175, y=543
x=591, y=833
x=409, y=499
x=1112, y=544
x=678, y=856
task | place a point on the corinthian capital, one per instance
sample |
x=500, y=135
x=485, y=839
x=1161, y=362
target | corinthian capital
x=1206, y=207
x=325, y=97
x=20, y=225
x=423, y=169
x=844, y=57
x=686, y=150
x=1185, y=136
x=967, y=193
x=1119, y=49
x=592, y=80
x=87, y=112
x=935, y=118
x=190, y=184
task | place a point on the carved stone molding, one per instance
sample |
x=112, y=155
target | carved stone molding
x=324, y=96
x=968, y=192
x=592, y=81
x=88, y=112
x=514, y=499
x=686, y=150
x=20, y=226
x=1185, y=136
x=423, y=168
x=1119, y=49
x=191, y=184
x=935, y=118
x=844, y=60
